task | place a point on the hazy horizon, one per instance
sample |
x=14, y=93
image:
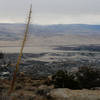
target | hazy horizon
x=47, y=24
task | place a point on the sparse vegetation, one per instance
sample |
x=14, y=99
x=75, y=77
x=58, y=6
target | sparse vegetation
x=88, y=77
x=1, y=55
x=31, y=79
x=64, y=79
x=85, y=77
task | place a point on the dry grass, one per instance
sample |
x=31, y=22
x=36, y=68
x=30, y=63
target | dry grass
x=31, y=91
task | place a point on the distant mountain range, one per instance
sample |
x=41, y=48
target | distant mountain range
x=15, y=31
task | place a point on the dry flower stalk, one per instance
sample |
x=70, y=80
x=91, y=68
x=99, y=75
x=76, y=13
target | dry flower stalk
x=20, y=54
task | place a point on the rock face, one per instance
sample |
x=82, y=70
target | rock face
x=59, y=94
x=66, y=94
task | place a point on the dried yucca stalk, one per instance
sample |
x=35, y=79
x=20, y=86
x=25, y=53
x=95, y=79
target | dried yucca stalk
x=20, y=54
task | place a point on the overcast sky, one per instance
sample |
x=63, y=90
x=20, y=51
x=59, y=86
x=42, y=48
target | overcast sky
x=51, y=11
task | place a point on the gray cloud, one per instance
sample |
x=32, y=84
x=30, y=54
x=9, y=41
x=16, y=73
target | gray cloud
x=51, y=11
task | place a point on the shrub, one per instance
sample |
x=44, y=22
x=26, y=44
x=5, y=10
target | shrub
x=18, y=87
x=88, y=77
x=64, y=79
x=85, y=77
x=1, y=55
